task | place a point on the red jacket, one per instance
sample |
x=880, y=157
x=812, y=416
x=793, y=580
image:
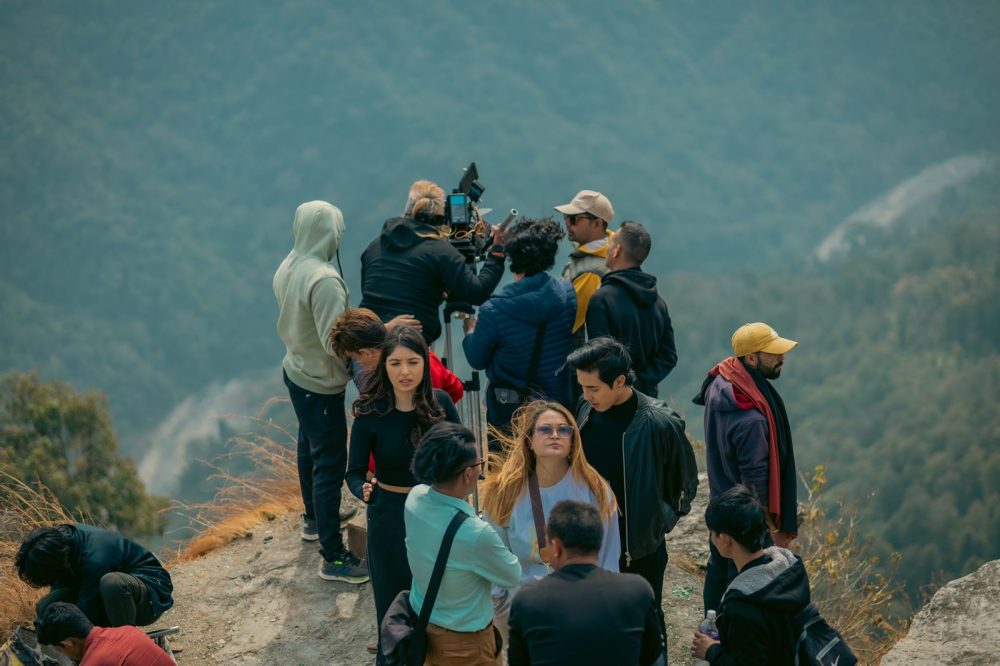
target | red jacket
x=444, y=379
x=122, y=646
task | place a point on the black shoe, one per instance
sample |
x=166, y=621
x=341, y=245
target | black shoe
x=346, y=567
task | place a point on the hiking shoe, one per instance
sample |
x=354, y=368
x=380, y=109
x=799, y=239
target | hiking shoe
x=346, y=567
x=310, y=530
x=348, y=513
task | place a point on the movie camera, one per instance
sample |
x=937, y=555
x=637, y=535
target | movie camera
x=470, y=235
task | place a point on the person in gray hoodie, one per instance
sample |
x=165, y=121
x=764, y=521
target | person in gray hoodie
x=311, y=296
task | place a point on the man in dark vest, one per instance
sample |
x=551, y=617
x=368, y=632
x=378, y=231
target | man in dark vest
x=748, y=440
x=586, y=218
x=628, y=308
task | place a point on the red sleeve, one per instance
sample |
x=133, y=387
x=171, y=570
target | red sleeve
x=444, y=379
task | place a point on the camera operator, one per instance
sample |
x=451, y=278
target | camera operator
x=411, y=267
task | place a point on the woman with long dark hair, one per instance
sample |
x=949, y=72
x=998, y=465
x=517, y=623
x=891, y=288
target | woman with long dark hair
x=396, y=408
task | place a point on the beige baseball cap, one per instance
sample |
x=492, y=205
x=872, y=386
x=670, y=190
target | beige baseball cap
x=589, y=201
x=759, y=337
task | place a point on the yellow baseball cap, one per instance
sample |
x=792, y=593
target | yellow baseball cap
x=759, y=337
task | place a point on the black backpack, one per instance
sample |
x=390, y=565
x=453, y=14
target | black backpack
x=819, y=644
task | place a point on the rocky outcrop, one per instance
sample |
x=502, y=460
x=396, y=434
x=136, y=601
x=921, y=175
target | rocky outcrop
x=958, y=625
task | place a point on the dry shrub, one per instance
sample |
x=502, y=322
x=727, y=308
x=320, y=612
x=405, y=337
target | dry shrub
x=22, y=509
x=847, y=584
x=271, y=489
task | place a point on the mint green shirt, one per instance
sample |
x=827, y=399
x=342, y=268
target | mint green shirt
x=478, y=560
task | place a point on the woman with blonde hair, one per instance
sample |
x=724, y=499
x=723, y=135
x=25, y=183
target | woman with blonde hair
x=544, y=459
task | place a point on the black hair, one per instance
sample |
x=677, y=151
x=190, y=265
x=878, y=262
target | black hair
x=577, y=526
x=532, y=245
x=378, y=397
x=634, y=241
x=738, y=513
x=606, y=355
x=44, y=556
x=445, y=451
x=61, y=621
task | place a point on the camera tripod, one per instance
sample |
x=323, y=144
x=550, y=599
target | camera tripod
x=471, y=411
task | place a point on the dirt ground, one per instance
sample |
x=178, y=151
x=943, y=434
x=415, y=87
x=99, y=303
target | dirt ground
x=259, y=601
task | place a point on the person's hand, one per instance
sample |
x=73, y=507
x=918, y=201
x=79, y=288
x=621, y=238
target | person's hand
x=469, y=324
x=496, y=235
x=700, y=645
x=366, y=489
x=404, y=320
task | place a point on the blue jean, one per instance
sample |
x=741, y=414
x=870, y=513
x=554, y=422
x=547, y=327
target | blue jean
x=322, y=461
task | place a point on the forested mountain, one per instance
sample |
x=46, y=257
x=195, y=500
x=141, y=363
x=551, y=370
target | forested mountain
x=895, y=381
x=154, y=153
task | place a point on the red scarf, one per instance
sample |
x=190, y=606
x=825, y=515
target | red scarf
x=732, y=370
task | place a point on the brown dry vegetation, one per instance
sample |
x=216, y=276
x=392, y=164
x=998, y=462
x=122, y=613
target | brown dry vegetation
x=22, y=508
x=245, y=501
x=862, y=603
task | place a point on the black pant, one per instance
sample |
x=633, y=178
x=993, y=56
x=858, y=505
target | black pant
x=322, y=461
x=651, y=567
x=125, y=599
x=719, y=573
x=387, y=564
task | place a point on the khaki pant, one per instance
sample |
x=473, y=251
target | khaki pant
x=456, y=648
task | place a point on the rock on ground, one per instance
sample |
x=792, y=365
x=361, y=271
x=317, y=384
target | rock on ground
x=958, y=625
x=259, y=600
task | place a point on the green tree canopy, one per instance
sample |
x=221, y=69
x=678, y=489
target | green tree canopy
x=53, y=436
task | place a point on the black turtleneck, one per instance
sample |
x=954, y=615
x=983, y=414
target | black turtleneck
x=602, y=443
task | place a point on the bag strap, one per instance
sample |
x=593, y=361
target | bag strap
x=536, y=510
x=442, y=560
x=536, y=354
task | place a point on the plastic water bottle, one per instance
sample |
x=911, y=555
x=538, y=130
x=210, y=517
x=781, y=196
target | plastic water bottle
x=708, y=628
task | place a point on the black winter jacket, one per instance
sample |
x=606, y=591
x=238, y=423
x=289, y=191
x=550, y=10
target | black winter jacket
x=96, y=552
x=628, y=308
x=661, y=475
x=402, y=272
x=757, y=622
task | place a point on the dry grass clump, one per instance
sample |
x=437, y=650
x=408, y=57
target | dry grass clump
x=22, y=508
x=847, y=586
x=271, y=489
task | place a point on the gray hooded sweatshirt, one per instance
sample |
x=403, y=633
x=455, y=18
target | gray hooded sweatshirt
x=311, y=296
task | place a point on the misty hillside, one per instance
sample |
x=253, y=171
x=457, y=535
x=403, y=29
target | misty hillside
x=154, y=154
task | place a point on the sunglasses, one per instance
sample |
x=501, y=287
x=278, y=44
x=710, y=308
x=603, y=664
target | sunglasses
x=547, y=431
x=573, y=219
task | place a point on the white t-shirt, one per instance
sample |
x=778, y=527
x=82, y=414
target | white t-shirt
x=520, y=535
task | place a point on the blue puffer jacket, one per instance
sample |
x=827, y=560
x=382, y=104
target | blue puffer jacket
x=504, y=336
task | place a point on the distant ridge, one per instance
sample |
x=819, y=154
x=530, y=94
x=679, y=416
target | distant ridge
x=905, y=197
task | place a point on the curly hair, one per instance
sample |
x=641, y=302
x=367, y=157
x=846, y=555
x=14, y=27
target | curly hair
x=504, y=487
x=444, y=452
x=532, y=245
x=379, y=398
